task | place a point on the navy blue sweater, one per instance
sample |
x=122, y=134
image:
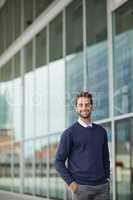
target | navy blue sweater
x=87, y=155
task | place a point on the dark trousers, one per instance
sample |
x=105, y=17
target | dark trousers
x=89, y=192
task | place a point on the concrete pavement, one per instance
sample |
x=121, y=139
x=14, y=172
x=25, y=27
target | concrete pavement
x=14, y=196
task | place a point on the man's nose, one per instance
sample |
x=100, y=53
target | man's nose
x=84, y=107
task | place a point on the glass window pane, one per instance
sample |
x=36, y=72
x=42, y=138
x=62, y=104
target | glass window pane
x=29, y=100
x=28, y=57
x=74, y=58
x=28, y=167
x=16, y=20
x=16, y=181
x=41, y=5
x=123, y=59
x=56, y=78
x=17, y=98
x=41, y=86
x=41, y=167
x=29, y=105
x=2, y=36
x=8, y=22
x=97, y=62
x=41, y=101
x=28, y=13
x=6, y=97
x=107, y=127
x=124, y=155
x=5, y=162
x=55, y=34
x=57, y=185
x=41, y=48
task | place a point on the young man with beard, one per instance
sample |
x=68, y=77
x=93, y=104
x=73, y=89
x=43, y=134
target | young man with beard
x=84, y=145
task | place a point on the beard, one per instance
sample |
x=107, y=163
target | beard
x=85, y=115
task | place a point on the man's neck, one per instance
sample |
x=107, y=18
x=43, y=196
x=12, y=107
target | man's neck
x=86, y=120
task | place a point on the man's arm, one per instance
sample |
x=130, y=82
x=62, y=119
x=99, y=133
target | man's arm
x=62, y=154
x=106, y=159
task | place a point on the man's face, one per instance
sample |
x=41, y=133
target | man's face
x=84, y=107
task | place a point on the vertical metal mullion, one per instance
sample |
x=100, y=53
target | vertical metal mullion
x=48, y=100
x=111, y=92
x=13, y=73
x=34, y=95
x=22, y=69
x=12, y=78
x=12, y=167
x=12, y=139
x=85, y=73
x=64, y=57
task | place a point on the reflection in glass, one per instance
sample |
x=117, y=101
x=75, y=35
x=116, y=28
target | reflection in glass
x=17, y=98
x=97, y=62
x=107, y=127
x=41, y=5
x=123, y=59
x=56, y=43
x=41, y=105
x=56, y=186
x=74, y=58
x=28, y=167
x=6, y=99
x=16, y=151
x=29, y=105
x=41, y=167
x=16, y=11
x=41, y=86
x=28, y=13
x=56, y=77
x=8, y=23
x=2, y=35
x=5, y=161
x=29, y=101
x=41, y=48
x=124, y=156
x=57, y=96
x=6, y=128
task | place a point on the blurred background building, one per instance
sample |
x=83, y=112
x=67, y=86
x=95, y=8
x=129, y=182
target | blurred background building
x=49, y=51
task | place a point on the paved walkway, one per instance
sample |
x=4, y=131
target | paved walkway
x=13, y=196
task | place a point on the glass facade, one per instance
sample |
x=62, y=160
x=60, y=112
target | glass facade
x=123, y=62
x=123, y=98
x=124, y=158
x=97, y=57
x=74, y=56
x=39, y=83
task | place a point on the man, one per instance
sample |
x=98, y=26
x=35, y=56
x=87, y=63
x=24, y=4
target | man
x=84, y=145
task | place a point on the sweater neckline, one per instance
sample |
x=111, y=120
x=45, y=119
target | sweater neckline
x=88, y=127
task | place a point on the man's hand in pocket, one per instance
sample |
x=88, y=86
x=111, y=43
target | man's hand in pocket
x=73, y=186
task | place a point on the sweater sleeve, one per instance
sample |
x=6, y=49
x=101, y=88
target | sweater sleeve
x=62, y=154
x=106, y=160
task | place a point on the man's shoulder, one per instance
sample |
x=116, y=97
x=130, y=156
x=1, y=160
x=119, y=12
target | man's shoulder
x=70, y=129
x=98, y=126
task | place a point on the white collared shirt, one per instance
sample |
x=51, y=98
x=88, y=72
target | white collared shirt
x=84, y=124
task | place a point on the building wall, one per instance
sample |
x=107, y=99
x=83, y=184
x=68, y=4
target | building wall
x=38, y=85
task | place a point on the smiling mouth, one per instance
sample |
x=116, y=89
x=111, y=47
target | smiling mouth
x=85, y=113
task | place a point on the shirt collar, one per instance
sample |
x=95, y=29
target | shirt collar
x=84, y=124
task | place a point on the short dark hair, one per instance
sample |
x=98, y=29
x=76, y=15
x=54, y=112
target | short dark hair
x=84, y=94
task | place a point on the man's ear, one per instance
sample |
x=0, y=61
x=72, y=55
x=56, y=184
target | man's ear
x=76, y=108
